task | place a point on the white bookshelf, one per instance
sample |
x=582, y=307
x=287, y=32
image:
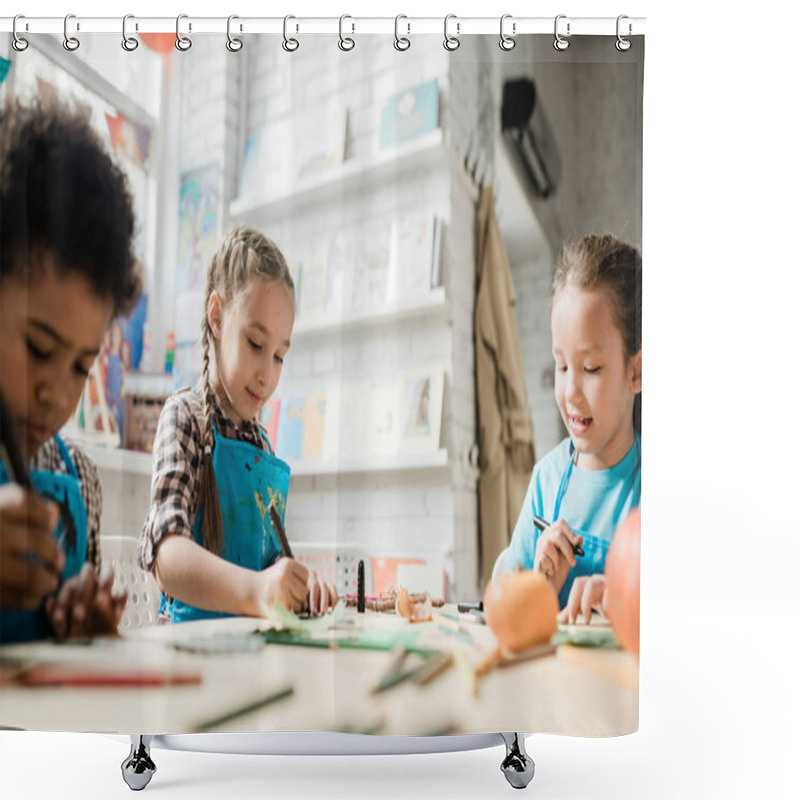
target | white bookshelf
x=437, y=459
x=422, y=153
x=118, y=460
x=431, y=304
x=135, y=463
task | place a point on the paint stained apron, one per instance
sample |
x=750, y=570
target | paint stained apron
x=248, y=480
x=22, y=625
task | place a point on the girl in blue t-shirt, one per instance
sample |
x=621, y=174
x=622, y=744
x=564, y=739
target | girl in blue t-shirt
x=582, y=489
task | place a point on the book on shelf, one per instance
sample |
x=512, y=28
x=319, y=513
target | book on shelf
x=370, y=272
x=312, y=256
x=314, y=426
x=338, y=276
x=319, y=134
x=420, y=394
x=379, y=419
x=290, y=428
x=266, y=170
x=414, y=254
x=409, y=114
x=269, y=416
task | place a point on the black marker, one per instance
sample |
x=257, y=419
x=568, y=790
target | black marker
x=361, y=588
x=541, y=524
x=466, y=607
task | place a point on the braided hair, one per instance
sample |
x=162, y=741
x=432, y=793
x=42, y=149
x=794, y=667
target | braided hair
x=245, y=254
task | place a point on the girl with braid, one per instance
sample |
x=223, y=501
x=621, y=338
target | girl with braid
x=208, y=535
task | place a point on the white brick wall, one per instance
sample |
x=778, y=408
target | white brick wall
x=225, y=98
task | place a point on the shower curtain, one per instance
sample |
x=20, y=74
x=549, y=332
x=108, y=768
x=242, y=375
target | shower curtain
x=364, y=164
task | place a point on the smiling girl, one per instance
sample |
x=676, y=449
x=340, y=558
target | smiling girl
x=208, y=537
x=588, y=483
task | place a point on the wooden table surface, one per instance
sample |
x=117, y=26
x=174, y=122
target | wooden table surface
x=577, y=690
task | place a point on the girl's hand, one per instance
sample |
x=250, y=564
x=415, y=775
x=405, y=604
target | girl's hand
x=588, y=592
x=86, y=605
x=321, y=595
x=285, y=581
x=554, y=555
x=30, y=559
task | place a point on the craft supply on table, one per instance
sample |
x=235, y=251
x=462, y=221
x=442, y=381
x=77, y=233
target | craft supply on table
x=361, y=598
x=387, y=603
x=256, y=705
x=88, y=675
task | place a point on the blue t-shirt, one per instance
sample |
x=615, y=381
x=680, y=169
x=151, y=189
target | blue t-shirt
x=593, y=504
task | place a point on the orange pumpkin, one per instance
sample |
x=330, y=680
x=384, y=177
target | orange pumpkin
x=622, y=581
x=521, y=608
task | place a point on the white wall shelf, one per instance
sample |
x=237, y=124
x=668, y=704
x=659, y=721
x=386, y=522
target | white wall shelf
x=399, y=462
x=119, y=460
x=419, y=155
x=136, y=463
x=433, y=303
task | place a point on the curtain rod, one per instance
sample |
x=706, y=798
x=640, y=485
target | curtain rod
x=408, y=26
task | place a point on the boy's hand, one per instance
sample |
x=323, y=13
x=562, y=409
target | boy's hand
x=285, y=581
x=554, y=555
x=30, y=559
x=588, y=592
x=86, y=605
x=321, y=595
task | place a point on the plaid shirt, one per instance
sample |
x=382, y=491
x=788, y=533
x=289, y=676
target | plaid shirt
x=177, y=467
x=48, y=458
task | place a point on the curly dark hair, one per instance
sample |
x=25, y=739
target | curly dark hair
x=61, y=191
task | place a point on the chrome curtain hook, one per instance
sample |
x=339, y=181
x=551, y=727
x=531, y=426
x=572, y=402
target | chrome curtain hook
x=623, y=44
x=507, y=42
x=289, y=44
x=401, y=43
x=182, y=43
x=19, y=43
x=233, y=44
x=561, y=42
x=346, y=43
x=70, y=42
x=451, y=42
x=129, y=43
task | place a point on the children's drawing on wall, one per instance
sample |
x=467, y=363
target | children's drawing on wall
x=198, y=216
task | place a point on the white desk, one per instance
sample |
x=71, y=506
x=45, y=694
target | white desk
x=580, y=691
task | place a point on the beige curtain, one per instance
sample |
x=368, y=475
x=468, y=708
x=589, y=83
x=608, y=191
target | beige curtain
x=505, y=431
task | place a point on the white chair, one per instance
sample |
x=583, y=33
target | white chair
x=336, y=563
x=144, y=595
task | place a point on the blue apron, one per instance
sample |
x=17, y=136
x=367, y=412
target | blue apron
x=22, y=625
x=595, y=548
x=248, y=479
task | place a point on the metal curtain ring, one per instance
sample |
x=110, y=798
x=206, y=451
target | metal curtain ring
x=182, y=43
x=70, y=42
x=623, y=44
x=560, y=42
x=451, y=42
x=19, y=43
x=401, y=43
x=507, y=42
x=129, y=43
x=233, y=44
x=346, y=43
x=289, y=44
